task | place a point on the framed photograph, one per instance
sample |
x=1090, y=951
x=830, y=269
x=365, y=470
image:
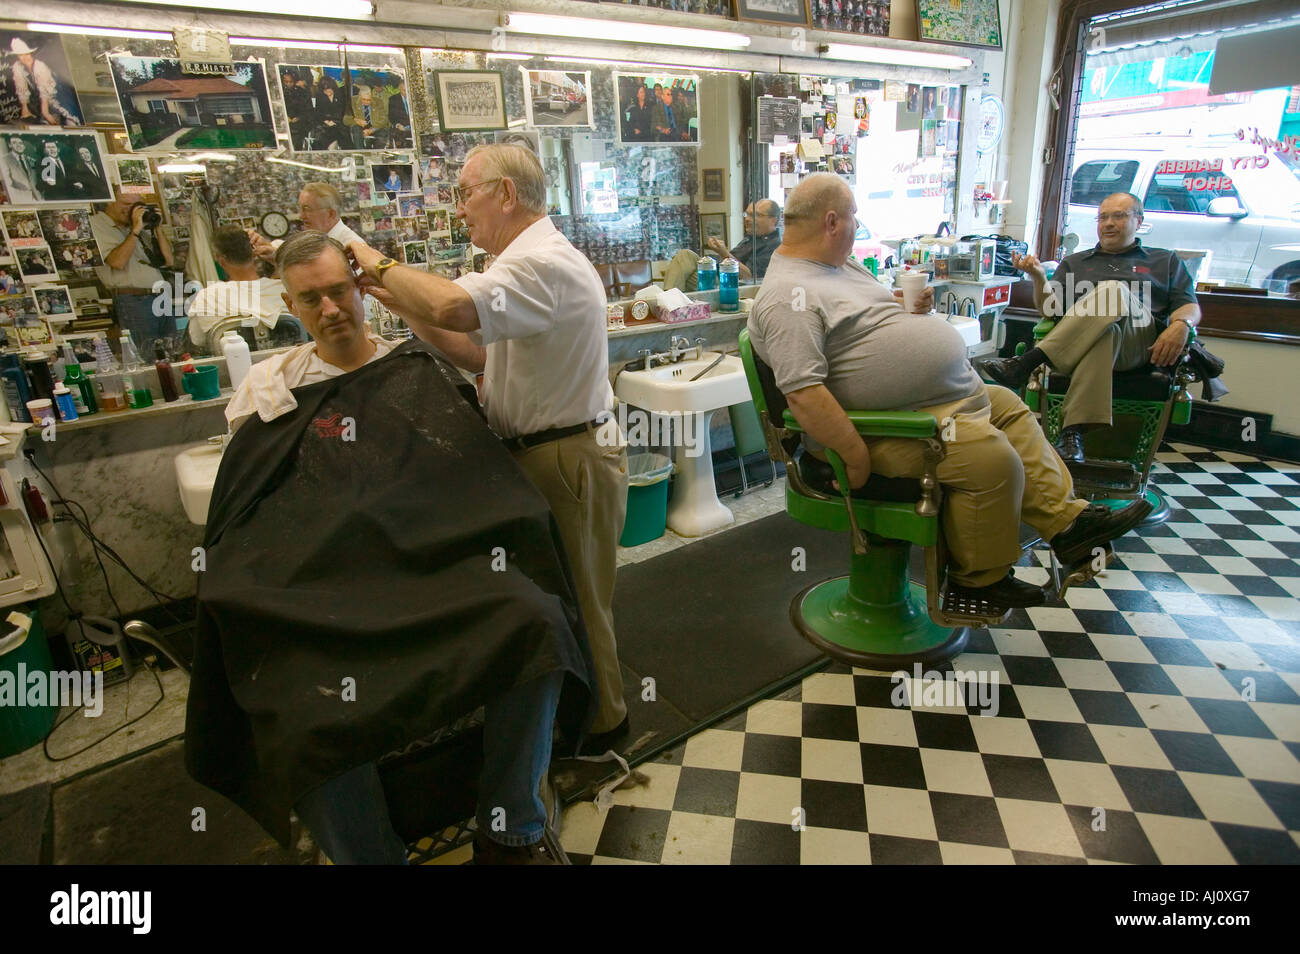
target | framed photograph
x=555, y=98
x=661, y=108
x=410, y=205
x=713, y=185
x=53, y=301
x=66, y=225
x=36, y=265
x=868, y=18
x=36, y=84
x=133, y=175
x=713, y=225
x=773, y=11
x=969, y=23
x=440, y=221
x=470, y=100
x=166, y=110
x=415, y=253
x=23, y=228
x=392, y=178
x=53, y=167
x=530, y=139
x=361, y=108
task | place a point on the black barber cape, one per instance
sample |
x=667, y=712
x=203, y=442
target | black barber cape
x=350, y=603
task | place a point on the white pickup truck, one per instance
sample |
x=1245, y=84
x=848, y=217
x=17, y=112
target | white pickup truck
x=1238, y=206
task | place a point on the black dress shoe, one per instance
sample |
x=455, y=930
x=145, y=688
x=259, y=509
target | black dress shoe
x=1097, y=526
x=600, y=742
x=1070, y=445
x=1009, y=372
x=1008, y=592
x=541, y=852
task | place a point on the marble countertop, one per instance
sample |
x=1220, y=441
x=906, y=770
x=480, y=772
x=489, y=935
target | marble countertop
x=647, y=326
x=159, y=408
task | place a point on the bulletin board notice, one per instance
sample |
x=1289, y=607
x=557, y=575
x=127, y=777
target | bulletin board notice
x=778, y=116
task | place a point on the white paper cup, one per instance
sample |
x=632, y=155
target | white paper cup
x=41, y=410
x=911, y=284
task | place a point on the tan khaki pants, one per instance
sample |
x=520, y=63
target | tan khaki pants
x=586, y=486
x=1106, y=330
x=998, y=470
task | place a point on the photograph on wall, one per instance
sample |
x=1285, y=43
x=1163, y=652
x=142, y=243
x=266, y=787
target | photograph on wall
x=23, y=228
x=392, y=178
x=869, y=18
x=363, y=193
x=554, y=98
x=133, y=175
x=529, y=139
x=658, y=107
x=415, y=253
x=432, y=168
x=713, y=185
x=713, y=225
x=75, y=259
x=470, y=100
x=929, y=102
x=53, y=166
x=773, y=11
x=968, y=23
x=66, y=225
x=36, y=265
x=53, y=301
x=167, y=110
x=440, y=221
x=36, y=85
x=11, y=283
x=360, y=108
x=410, y=205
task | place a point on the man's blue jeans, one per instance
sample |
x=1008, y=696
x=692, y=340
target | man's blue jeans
x=348, y=816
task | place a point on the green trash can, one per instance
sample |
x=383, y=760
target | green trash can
x=647, y=498
x=22, y=726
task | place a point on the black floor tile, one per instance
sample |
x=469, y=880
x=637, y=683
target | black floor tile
x=1258, y=846
x=1269, y=686
x=707, y=792
x=1256, y=586
x=834, y=805
x=1063, y=645
x=761, y=843
x=636, y=834
x=1099, y=707
x=1195, y=752
x=1182, y=563
x=1284, y=799
x=1143, y=677
x=1175, y=652
x=830, y=722
x=1065, y=740
x=1155, y=791
x=1032, y=671
x=1211, y=547
x=892, y=765
x=1038, y=858
x=1134, y=601
x=968, y=819
x=772, y=755
x=1162, y=582
x=1205, y=627
x=939, y=730
x=1109, y=622
x=1238, y=606
x=892, y=850
x=1276, y=566
x=1230, y=717
x=1012, y=776
x=874, y=691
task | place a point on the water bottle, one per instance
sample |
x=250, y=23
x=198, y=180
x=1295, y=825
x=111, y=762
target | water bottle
x=729, y=285
x=105, y=363
x=130, y=357
x=706, y=273
x=238, y=360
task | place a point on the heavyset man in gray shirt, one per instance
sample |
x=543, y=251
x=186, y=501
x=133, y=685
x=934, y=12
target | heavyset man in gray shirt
x=835, y=339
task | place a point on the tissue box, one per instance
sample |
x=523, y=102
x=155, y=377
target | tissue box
x=692, y=312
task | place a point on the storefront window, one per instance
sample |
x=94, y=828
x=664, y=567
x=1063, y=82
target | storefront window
x=1218, y=174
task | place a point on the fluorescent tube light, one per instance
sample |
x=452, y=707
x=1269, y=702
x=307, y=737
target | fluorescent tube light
x=892, y=57
x=328, y=9
x=182, y=167
x=96, y=31
x=212, y=157
x=674, y=67
x=310, y=45
x=510, y=56
x=337, y=170
x=582, y=28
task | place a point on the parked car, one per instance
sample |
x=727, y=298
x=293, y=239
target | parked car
x=558, y=103
x=1238, y=206
x=866, y=245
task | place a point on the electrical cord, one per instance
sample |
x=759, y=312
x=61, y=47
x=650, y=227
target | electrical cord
x=45, y=746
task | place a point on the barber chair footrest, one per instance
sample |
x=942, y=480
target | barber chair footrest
x=882, y=636
x=1105, y=476
x=972, y=610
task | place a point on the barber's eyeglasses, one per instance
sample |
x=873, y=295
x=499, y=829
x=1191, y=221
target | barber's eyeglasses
x=1114, y=216
x=461, y=194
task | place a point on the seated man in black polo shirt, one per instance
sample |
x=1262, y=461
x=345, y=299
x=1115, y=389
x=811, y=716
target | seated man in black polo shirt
x=762, y=236
x=1120, y=307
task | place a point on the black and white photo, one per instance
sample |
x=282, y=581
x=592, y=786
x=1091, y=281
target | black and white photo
x=469, y=100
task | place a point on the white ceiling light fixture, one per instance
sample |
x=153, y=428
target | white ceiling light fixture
x=337, y=170
x=327, y=9
x=582, y=28
x=212, y=157
x=310, y=45
x=673, y=67
x=893, y=57
x=97, y=31
x=168, y=167
x=510, y=56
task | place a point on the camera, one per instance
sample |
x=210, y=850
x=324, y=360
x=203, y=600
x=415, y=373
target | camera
x=152, y=217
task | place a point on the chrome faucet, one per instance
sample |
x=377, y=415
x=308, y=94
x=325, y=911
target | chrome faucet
x=678, y=347
x=699, y=348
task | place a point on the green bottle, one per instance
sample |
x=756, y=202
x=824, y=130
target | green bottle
x=73, y=377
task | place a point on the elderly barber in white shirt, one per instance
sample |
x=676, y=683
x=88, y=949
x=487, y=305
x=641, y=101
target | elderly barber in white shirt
x=534, y=323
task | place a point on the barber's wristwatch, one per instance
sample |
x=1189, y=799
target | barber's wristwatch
x=383, y=265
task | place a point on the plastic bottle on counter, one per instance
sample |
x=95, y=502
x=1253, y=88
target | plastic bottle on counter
x=38, y=372
x=166, y=380
x=706, y=274
x=130, y=357
x=105, y=363
x=64, y=404
x=729, y=285
x=16, y=389
x=83, y=391
x=109, y=396
x=238, y=360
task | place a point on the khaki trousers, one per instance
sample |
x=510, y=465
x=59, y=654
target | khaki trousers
x=586, y=486
x=998, y=469
x=1106, y=330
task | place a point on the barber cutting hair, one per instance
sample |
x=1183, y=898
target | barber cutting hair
x=534, y=324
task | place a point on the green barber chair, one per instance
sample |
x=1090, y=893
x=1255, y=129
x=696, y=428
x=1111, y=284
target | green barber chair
x=1118, y=459
x=875, y=617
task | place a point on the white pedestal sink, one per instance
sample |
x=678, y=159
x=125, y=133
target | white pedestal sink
x=669, y=391
x=196, y=472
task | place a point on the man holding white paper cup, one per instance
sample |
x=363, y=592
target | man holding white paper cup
x=836, y=339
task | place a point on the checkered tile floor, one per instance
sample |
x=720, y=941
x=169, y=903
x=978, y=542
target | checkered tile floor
x=1153, y=720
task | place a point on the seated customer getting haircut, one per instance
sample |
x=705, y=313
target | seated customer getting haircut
x=836, y=339
x=245, y=294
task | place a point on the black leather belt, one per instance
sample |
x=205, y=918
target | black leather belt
x=554, y=434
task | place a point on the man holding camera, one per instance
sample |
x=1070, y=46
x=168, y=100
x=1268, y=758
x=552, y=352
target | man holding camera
x=135, y=252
